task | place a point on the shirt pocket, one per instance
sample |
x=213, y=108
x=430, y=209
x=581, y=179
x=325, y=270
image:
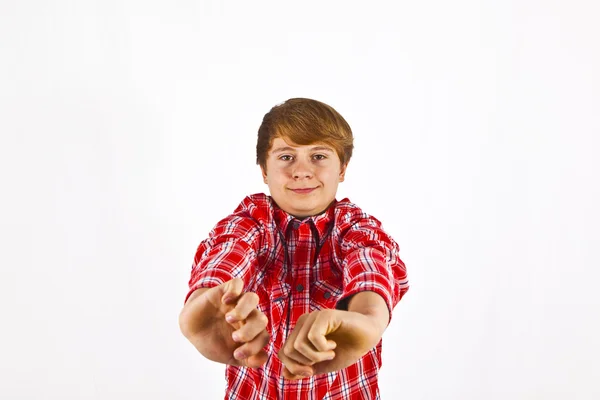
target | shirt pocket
x=324, y=295
x=279, y=298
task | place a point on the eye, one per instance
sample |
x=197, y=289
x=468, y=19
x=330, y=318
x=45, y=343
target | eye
x=285, y=157
x=319, y=157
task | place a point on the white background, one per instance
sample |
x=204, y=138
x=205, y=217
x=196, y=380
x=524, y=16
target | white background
x=128, y=129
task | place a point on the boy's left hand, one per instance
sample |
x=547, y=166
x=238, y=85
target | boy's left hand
x=328, y=340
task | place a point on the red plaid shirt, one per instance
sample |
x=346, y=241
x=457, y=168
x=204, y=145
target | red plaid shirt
x=295, y=267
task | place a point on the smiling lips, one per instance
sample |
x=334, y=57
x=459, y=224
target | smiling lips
x=303, y=191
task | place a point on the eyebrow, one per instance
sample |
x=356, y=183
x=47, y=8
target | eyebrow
x=316, y=148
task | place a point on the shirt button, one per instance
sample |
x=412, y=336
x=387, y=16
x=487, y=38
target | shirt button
x=295, y=224
x=327, y=295
x=300, y=288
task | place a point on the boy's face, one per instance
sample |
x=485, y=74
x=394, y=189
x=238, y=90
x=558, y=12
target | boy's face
x=303, y=179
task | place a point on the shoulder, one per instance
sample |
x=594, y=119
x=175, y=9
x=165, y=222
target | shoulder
x=248, y=220
x=253, y=210
x=348, y=214
x=356, y=228
x=257, y=206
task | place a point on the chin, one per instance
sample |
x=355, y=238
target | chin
x=312, y=211
x=302, y=210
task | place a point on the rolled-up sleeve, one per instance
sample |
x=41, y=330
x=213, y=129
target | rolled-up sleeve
x=370, y=260
x=229, y=252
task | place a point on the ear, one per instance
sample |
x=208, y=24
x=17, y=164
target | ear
x=343, y=172
x=264, y=174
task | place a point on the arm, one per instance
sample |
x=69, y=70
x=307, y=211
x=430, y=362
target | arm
x=370, y=260
x=374, y=281
x=373, y=307
x=219, y=318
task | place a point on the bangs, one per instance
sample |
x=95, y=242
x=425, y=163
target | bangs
x=305, y=122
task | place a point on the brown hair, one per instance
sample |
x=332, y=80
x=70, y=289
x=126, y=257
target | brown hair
x=304, y=121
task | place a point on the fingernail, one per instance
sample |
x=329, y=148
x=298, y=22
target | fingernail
x=235, y=336
x=239, y=355
x=229, y=318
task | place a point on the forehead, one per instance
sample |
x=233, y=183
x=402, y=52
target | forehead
x=280, y=144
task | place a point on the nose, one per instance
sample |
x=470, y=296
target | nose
x=302, y=170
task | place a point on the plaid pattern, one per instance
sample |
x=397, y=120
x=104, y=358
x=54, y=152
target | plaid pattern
x=295, y=267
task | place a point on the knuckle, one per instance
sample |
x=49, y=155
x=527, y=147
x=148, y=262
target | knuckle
x=250, y=350
x=288, y=350
x=263, y=319
x=324, y=316
x=251, y=332
x=252, y=297
x=299, y=346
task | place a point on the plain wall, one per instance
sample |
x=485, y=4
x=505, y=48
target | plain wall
x=128, y=129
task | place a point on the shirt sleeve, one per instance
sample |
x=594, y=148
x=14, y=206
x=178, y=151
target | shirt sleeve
x=370, y=260
x=229, y=252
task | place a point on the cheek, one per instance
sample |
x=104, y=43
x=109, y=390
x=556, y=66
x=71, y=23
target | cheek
x=329, y=175
x=278, y=175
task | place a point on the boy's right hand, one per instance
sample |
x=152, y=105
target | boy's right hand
x=225, y=325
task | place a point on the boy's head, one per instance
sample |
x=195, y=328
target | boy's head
x=303, y=144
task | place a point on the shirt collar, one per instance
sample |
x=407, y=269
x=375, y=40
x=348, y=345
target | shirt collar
x=321, y=222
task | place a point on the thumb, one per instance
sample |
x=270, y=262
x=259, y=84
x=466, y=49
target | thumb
x=288, y=375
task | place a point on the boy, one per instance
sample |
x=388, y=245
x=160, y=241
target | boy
x=293, y=291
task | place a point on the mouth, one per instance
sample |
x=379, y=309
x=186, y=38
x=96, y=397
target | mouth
x=303, y=191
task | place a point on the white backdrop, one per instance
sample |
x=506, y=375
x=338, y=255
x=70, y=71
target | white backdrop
x=128, y=129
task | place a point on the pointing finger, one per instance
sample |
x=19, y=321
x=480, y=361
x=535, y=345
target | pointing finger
x=246, y=304
x=232, y=290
